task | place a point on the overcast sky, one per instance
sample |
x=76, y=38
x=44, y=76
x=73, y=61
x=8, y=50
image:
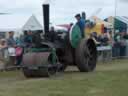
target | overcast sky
x=63, y=11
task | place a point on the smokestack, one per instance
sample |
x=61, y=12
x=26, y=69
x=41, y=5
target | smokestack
x=46, y=17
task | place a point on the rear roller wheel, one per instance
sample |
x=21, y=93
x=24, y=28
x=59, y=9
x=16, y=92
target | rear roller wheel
x=86, y=55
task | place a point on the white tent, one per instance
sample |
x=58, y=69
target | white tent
x=32, y=24
x=19, y=23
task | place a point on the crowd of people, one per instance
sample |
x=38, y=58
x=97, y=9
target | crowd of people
x=120, y=44
x=101, y=40
x=13, y=48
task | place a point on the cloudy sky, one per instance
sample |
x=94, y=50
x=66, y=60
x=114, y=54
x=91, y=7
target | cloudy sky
x=63, y=11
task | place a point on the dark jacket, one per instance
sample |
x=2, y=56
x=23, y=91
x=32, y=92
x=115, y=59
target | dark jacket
x=11, y=42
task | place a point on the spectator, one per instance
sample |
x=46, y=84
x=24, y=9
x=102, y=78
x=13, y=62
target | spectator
x=3, y=53
x=116, y=46
x=80, y=23
x=3, y=44
x=94, y=37
x=19, y=51
x=104, y=38
x=11, y=43
x=18, y=41
x=122, y=44
x=110, y=37
x=19, y=55
x=3, y=47
x=28, y=39
x=94, y=34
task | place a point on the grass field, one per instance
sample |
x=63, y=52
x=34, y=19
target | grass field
x=109, y=79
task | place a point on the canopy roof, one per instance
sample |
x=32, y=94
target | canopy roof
x=123, y=19
x=99, y=21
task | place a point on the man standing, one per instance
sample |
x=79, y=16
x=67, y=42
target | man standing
x=11, y=43
x=28, y=39
x=116, y=47
x=80, y=23
x=123, y=44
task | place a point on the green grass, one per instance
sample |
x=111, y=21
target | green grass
x=109, y=79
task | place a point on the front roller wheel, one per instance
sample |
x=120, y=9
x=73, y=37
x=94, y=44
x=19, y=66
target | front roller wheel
x=40, y=72
x=27, y=73
x=86, y=55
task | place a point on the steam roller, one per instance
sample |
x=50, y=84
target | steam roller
x=57, y=50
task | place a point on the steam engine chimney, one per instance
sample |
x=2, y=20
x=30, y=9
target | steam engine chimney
x=46, y=17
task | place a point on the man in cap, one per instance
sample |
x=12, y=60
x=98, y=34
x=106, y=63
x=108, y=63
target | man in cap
x=80, y=23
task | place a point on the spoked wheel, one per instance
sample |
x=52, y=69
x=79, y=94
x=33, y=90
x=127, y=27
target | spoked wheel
x=90, y=53
x=86, y=55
